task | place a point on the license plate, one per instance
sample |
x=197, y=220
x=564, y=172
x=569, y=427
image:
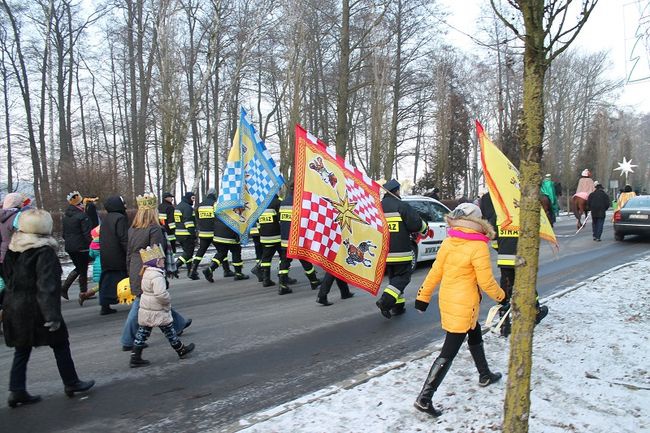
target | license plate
x=638, y=217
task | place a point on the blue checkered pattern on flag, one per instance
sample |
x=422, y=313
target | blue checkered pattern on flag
x=249, y=181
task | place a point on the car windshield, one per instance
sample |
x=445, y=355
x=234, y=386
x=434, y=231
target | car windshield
x=637, y=202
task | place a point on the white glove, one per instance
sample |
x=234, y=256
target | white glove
x=52, y=326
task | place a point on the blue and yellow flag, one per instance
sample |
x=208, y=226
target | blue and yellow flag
x=249, y=181
x=338, y=220
x=502, y=179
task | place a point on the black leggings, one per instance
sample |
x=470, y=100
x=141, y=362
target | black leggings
x=454, y=340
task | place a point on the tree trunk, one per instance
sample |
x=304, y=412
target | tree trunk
x=343, y=85
x=517, y=403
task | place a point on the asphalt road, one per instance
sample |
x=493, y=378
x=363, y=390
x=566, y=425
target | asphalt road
x=255, y=349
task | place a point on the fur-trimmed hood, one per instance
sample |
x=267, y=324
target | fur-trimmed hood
x=469, y=215
x=34, y=231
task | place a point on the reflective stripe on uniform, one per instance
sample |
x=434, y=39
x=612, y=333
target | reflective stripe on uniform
x=405, y=256
x=392, y=291
x=284, y=243
x=506, y=259
x=182, y=232
x=178, y=216
x=172, y=225
x=270, y=239
x=205, y=234
x=221, y=240
x=189, y=224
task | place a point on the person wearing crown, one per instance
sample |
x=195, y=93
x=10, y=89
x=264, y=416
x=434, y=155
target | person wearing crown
x=145, y=231
x=155, y=306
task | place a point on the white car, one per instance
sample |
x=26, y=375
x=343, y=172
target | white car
x=433, y=212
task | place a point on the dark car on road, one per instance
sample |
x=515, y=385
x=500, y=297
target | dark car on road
x=633, y=218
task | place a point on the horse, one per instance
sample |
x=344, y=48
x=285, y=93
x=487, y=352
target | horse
x=545, y=203
x=579, y=208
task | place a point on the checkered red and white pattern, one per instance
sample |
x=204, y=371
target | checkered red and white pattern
x=318, y=230
x=365, y=208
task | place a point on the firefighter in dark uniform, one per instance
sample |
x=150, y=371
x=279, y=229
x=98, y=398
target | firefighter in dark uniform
x=489, y=214
x=259, y=248
x=205, y=222
x=166, y=218
x=269, y=224
x=506, y=260
x=225, y=239
x=402, y=220
x=286, y=210
x=185, y=230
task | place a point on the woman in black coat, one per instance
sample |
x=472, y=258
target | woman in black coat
x=76, y=233
x=113, y=240
x=32, y=305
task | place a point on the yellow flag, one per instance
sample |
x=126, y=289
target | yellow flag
x=502, y=179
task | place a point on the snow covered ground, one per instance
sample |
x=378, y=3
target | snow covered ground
x=591, y=374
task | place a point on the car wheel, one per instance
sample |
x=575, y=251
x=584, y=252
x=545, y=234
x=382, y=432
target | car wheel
x=619, y=236
x=414, y=259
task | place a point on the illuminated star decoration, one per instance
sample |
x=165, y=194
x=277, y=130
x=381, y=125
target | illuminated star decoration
x=345, y=208
x=625, y=167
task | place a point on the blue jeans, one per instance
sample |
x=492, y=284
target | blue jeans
x=131, y=324
x=597, y=227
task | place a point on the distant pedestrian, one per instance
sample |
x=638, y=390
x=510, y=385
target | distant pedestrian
x=166, y=217
x=76, y=233
x=598, y=203
x=155, y=306
x=462, y=262
x=32, y=306
x=113, y=239
x=624, y=196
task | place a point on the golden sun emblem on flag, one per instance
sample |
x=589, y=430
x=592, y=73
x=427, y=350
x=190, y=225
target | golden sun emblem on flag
x=346, y=213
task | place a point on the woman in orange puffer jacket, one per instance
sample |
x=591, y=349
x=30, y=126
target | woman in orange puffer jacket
x=462, y=265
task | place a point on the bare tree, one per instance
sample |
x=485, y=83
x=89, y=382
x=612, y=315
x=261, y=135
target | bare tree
x=546, y=34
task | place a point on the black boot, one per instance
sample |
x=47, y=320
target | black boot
x=399, y=308
x=184, y=350
x=437, y=373
x=136, y=358
x=284, y=288
x=385, y=303
x=78, y=386
x=541, y=313
x=22, y=397
x=226, y=269
x=266, y=277
x=313, y=279
x=323, y=301
x=239, y=275
x=486, y=377
x=106, y=309
x=257, y=271
x=207, y=272
x=193, y=273
x=291, y=280
x=68, y=282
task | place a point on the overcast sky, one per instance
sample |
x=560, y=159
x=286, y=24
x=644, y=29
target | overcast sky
x=612, y=27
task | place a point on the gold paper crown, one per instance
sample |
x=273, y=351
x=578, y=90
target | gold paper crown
x=147, y=201
x=151, y=253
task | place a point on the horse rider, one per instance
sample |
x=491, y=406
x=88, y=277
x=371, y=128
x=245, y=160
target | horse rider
x=548, y=189
x=585, y=185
